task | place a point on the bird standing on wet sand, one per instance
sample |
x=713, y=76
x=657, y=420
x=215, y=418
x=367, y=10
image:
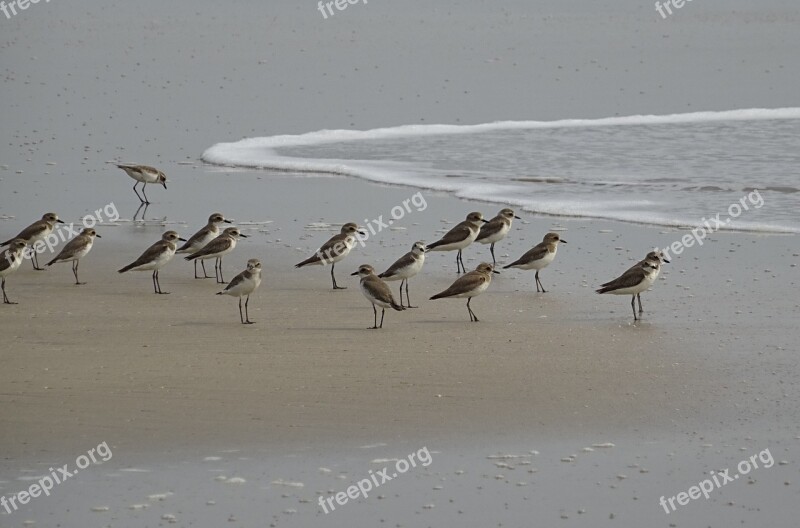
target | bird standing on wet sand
x=496, y=229
x=39, y=230
x=10, y=262
x=469, y=285
x=461, y=236
x=377, y=292
x=218, y=248
x=200, y=239
x=539, y=257
x=143, y=174
x=243, y=284
x=75, y=250
x=405, y=268
x=156, y=257
x=634, y=281
x=334, y=250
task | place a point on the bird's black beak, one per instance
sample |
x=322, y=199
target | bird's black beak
x=485, y=221
x=98, y=236
x=361, y=232
x=518, y=218
x=563, y=241
x=665, y=260
x=227, y=221
x=243, y=235
x=354, y=273
x=60, y=221
x=179, y=238
x=495, y=271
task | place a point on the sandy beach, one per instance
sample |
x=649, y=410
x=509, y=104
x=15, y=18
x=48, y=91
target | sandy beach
x=554, y=410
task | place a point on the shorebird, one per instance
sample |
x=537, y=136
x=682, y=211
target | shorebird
x=218, y=248
x=334, y=250
x=377, y=292
x=539, y=257
x=496, y=229
x=656, y=254
x=243, y=284
x=39, y=230
x=143, y=174
x=406, y=267
x=200, y=239
x=470, y=285
x=12, y=258
x=461, y=236
x=156, y=257
x=634, y=281
x=75, y=250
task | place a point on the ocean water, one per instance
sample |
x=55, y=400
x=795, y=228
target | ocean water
x=675, y=170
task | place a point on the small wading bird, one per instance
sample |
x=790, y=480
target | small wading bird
x=243, y=284
x=200, y=239
x=218, y=248
x=34, y=233
x=377, y=292
x=539, y=257
x=12, y=258
x=637, y=279
x=143, y=174
x=405, y=268
x=156, y=257
x=469, y=285
x=75, y=250
x=496, y=229
x=334, y=250
x=461, y=236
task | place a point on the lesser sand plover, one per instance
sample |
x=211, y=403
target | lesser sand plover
x=218, y=248
x=243, y=284
x=143, y=174
x=461, y=236
x=656, y=254
x=12, y=258
x=156, y=257
x=405, y=268
x=539, y=257
x=200, y=239
x=377, y=292
x=35, y=232
x=469, y=285
x=634, y=281
x=496, y=229
x=75, y=250
x=334, y=250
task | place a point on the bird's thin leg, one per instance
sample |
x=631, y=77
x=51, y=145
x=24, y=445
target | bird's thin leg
x=241, y=317
x=633, y=307
x=221, y=278
x=5, y=297
x=333, y=278
x=374, y=317
x=639, y=297
x=407, y=297
x=401, y=292
x=75, y=272
x=383, y=312
x=491, y=250
x=137, y=192
x=246, y=311
x=473, y=317
x=195, y=269
x=143, y=193
x=35, y=260
x=203, y=265
x=155, y=289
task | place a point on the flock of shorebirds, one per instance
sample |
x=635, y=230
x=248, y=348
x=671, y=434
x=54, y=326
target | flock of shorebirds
x=211, y=243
